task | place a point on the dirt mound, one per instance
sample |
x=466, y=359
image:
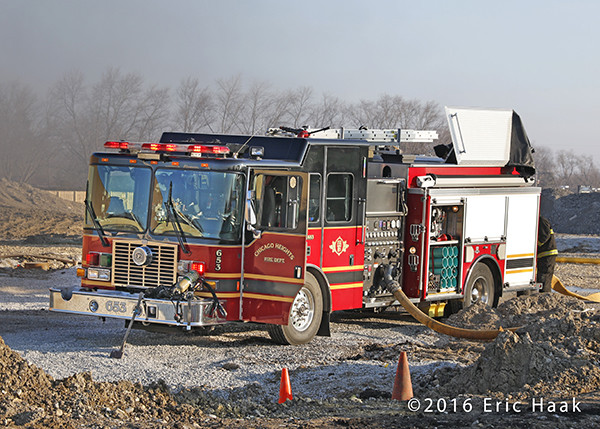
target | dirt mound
x=575, y=213
x=520, y=311
x=37, y=215
x=556, y=350
x=31, y=397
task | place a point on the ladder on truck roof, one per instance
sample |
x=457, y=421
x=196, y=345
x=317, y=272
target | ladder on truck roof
x=370, y=135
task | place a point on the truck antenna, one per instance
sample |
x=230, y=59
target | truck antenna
x=235, y=155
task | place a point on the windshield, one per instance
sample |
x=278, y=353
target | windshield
x=118, y=197
x=204, y=203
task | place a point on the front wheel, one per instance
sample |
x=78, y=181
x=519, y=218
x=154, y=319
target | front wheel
x=305, y=315
x=480, y=286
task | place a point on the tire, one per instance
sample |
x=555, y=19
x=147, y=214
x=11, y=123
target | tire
x=201, y=331
x=305, y=315
x=480, y=286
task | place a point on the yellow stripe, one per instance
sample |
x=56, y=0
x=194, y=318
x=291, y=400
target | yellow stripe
x=522, y=255
x=548, y=253
x=283, y=234
x=442, y=292
x=345, y=268
x=347, y=286
x=269, y=297
x=274, y=278
x=223, y=275
x=97, y=283
x=219, y=295
x=516, y=271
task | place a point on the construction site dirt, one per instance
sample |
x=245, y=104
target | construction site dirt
x=56, y=370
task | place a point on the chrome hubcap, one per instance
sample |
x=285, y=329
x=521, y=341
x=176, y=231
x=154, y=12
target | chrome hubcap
x=303, y=310
x=479, y=291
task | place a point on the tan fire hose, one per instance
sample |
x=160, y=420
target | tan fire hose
x=560, y=288
x=442, y=328
x=474, y=334
x=471, y=334
x=577, y=260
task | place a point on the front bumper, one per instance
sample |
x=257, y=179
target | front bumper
x=120, y=305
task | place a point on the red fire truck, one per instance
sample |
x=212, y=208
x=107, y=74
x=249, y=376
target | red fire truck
x=203, y=229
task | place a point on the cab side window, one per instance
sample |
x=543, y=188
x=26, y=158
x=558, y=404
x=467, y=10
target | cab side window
x=314, y=198
x=277, y=200
x=339, y=197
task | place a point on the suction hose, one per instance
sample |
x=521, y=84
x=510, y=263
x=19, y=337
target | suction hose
x=442, y=328
x=560, y=288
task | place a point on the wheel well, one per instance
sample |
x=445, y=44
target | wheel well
x=324, y=285
x=326, y=294
x=495, y=269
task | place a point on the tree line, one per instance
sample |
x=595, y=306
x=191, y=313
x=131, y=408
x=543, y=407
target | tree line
x=46, y=139
x=563, y=168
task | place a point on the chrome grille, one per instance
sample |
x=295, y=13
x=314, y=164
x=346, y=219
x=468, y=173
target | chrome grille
x=161, y=271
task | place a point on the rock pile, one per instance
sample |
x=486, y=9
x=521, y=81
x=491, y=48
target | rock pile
x=573, y=213
x=555, y=352
x=36, y=216
x=29, y=397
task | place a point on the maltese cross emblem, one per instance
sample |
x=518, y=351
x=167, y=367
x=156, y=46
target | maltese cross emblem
x=339, y=246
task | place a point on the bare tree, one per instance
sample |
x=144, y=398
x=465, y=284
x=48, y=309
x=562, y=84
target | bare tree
x=195, y=107
x=330, y=112
x=151, y=114
x=256, y=111
x=68, y=114
x=75, y=118
x=19, y=133
x=566, y=167
x=299, y=106
x=545, y=166
x=117, y=107
x=229, y=104
x=276, y=115
x=393, y=112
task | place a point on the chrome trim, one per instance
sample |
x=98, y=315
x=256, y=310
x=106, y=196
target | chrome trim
x=120, y=305
x=162, y=269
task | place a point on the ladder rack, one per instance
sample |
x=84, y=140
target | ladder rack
x=370, y=135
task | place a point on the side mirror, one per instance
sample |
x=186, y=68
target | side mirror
x=250, y=216
x=250, y=212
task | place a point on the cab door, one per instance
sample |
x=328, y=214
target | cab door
x=274, y=264
x=343, y=232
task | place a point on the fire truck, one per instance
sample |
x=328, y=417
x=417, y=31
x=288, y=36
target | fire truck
x=285, y=228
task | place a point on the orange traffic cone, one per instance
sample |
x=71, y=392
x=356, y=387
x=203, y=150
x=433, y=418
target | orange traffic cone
x=403, y=390
x=285, y=388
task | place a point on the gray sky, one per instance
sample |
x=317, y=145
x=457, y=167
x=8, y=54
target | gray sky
x=537, y=57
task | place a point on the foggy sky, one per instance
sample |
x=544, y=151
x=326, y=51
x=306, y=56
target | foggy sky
x=537, y=57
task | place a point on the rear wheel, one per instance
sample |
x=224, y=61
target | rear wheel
x=305, y=315
x=480, y=286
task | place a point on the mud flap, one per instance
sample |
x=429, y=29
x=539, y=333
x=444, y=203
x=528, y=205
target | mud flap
x=324, y=330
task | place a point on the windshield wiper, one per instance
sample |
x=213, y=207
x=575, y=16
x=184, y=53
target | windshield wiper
x=129, y=215
x=97, y=225
x=173, y=214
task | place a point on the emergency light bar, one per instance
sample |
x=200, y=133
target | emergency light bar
x=219, y=150
x=116, y=145
x=128, y=146
x=162, y=147
x=194, y=150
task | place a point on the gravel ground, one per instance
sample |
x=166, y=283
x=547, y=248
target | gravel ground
x=350, y=374
x=232, y=356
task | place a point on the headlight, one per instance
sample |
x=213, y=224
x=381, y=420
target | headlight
x=98, y=274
